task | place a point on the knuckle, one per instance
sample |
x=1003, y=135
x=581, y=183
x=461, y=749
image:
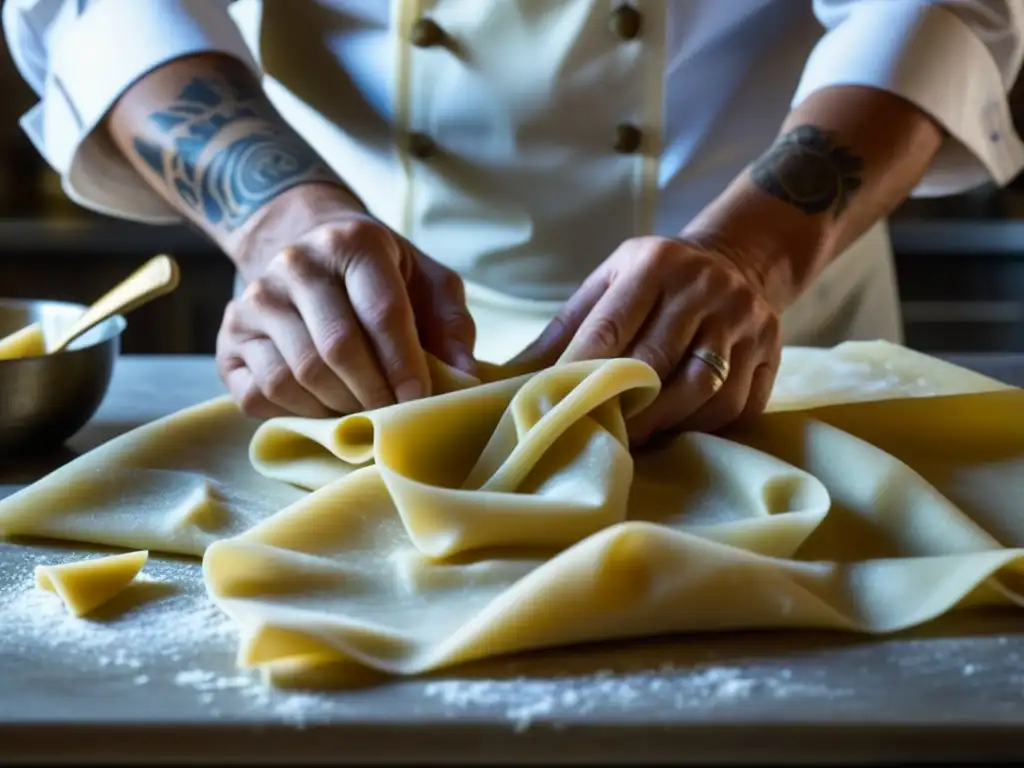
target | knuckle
x=261, y=295
x=652, y=253
x=232, y=321
x=356, y=234
x=251, y=402
x=397, y=370
x=384, y=313
x=657, y=358
x=661, y=255
x=605, y=333
x=380, y=395
x=277, y=383
x=296, y=263
x=335, y=341
x=744, y=302
x=308, y=368
x=706, y=276
x=333, y=239
x=558, y=326
x=724, y=281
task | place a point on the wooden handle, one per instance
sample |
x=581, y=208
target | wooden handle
x=157, y=277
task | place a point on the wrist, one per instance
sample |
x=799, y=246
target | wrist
x=285, y=219
x=782, y=251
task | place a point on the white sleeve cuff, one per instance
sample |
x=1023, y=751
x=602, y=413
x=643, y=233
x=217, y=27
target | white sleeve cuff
x=928, y=56
x=96, y=57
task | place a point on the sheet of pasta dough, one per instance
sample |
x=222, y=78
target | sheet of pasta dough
x=510, y=515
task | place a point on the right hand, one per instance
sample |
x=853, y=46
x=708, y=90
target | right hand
x=339, y=320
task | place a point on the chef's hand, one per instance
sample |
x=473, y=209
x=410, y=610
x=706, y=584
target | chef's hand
x=337, y=314
x=686, y=310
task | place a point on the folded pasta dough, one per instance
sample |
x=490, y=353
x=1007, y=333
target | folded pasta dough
x=510, y=515
x=84, y=585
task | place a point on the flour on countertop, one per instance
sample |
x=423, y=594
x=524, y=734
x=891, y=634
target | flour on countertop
x=170, y=626
x=178, y=637
x=970, y=656
x=179, y=624
x=524, y=700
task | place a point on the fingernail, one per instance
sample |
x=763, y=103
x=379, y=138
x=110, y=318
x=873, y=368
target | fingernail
x=410, y=390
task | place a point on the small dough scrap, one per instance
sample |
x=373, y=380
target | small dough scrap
x=28, y=342
x=84, y=585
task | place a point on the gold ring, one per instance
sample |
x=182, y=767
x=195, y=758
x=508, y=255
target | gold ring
x=718, y=364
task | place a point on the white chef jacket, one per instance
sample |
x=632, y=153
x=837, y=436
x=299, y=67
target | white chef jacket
x=524, y=194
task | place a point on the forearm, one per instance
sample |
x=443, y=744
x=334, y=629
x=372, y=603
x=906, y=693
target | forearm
x=845, y=158
x=202, y=133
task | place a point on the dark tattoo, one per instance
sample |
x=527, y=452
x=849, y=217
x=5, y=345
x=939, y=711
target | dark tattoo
x=221, y=149
x=808, y=170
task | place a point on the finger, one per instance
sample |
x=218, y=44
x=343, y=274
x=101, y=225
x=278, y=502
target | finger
x=610, y=327
x=236, y=377
x=380, y=300
x=763, y=381
x=351, y=376
x=247, y=395
x=446, y=328
x=687, y=390
x=276, y=382
x=668, y=334
x=761, y=386
x=730, y=401
x=278, y=320
x=547, y=348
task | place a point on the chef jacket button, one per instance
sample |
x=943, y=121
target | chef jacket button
x=427, y=33
x=627, y=138
x=625, y=22
x=421, y=146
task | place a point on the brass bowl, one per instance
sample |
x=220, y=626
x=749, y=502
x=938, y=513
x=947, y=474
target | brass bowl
x=45, y=400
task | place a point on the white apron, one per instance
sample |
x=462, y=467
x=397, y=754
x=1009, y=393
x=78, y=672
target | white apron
x=524, y=148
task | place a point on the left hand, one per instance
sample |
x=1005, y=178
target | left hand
x=666, y=301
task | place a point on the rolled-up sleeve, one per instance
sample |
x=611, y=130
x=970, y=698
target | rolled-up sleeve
x=955, y=59
x=80, y=56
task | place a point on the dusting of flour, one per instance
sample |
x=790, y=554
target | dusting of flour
x=523, y=700
x=174, y=626
x=177, y=637
x=166, y=625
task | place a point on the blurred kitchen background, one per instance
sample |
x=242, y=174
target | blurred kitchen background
x=960, y=260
